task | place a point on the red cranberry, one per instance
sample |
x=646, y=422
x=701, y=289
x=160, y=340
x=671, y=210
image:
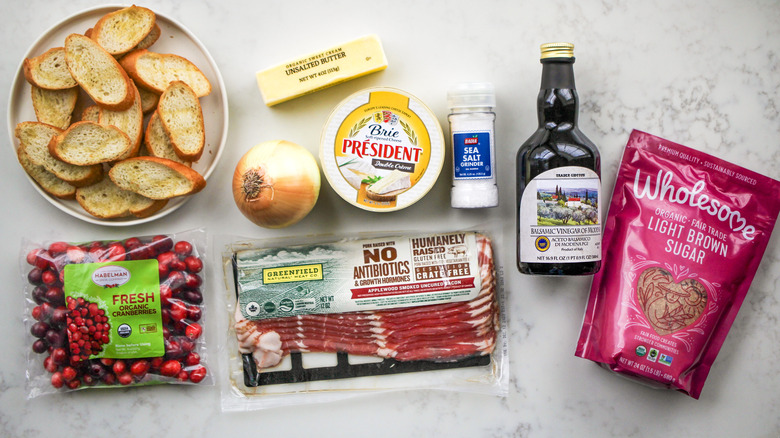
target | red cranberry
x=69, y=373
x=96, y=370
x=173, y=349
x=59, y=316
x=49, y=277
x=194, y=313
x=96, y=253
x=76, y=254
x=39, y=329
x=55, y=295
x=170, y=368
x=166, y=258
x=58, y=248
x=33, y=255
x=163, y=270
x=55, y=338
x=124, y=378
x=162, y=243
x=39, y=294
x=140, y=367
x=175, y=280
x=156, y=362
x=115, y=252
x=49, y=365
x=194, y=264
x=59, y=356
x=133, y=243
x=183, y=248
x=187, y=345
x=178, y=310
x=74, y=384
x=182, y=376
x=198, y=374
x=108, y=379
x=56, y=380
x=40, y=346
x=193, y=296
x=119, y=367
x=35, y=276
x=192, y=358
x=192, y=281
x=107, y=362
x=89, y=380
x=193, y=331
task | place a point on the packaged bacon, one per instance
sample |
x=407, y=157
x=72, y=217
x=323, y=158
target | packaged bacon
x=683, y=239
x=329, y=319
x=115, y=313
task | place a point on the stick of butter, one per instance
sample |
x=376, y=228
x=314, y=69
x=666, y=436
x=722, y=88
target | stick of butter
x=313, y=72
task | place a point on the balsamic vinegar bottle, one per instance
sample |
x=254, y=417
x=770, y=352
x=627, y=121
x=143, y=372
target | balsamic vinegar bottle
x=558, y=180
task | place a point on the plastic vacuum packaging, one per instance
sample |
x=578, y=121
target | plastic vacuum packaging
x=114, y=313
x=320, y=319
x=682, y=242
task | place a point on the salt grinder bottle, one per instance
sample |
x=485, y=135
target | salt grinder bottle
x=558, y=180
x=473, y=149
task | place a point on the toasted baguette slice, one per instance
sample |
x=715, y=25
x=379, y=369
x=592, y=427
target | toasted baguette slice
x=156, y=178
x=34, y=138
x=88, y=143
x=149, y=99
x=154, y=71
x=129, y=121
x=182, y=117
x=157, y=142
x=98, y=73
x=49, y=70
x=91, y=114
x=107, y=201
x=150, y=39
x=45, y=179
x=120, y=31
x=54, y=107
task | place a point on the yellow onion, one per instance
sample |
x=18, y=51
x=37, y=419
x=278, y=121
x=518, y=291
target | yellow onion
x=276, y=183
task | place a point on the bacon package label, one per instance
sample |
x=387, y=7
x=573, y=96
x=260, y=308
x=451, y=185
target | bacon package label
x=683, y=239
x=357, y=275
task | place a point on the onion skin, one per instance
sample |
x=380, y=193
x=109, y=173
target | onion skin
x=276, y=184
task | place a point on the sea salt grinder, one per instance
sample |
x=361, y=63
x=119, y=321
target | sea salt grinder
x=472, y=129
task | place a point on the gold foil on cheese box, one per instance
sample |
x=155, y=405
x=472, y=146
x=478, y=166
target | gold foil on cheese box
x=382, y=149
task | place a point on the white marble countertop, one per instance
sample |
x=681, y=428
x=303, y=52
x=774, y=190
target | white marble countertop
x=701, y=73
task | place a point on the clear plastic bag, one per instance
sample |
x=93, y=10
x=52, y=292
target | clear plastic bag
x=318, y=372
x=115, y=313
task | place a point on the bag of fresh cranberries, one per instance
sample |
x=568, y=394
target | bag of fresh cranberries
x=115, y=313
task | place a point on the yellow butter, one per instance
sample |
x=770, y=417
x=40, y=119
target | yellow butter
x=322, y=69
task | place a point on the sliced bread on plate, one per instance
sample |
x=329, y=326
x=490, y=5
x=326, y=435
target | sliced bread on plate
x=156, y=178
x=49, y=70
x=98, y=73
x=34, y=138
x=87, y=143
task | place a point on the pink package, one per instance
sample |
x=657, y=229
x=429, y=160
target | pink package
x=682, y=241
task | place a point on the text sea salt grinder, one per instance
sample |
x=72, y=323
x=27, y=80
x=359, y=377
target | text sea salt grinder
x=558, y=180
x=472, y=135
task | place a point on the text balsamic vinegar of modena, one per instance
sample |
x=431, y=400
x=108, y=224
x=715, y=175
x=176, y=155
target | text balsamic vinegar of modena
x=558, y=180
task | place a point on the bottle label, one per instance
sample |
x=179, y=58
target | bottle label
x=471, y=155
x=560, y=217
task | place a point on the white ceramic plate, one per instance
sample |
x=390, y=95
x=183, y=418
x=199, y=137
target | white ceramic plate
x=175, y=38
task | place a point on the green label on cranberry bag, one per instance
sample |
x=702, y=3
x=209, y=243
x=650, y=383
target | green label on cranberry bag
x=114, y=309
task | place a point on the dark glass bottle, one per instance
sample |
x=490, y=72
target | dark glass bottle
x=558, y=219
